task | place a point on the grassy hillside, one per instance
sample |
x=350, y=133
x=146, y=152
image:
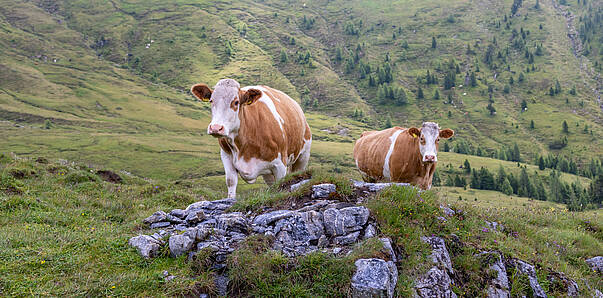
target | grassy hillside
x=64, y=232
x=116, y=72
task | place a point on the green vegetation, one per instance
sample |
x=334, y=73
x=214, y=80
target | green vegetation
x=94, y=219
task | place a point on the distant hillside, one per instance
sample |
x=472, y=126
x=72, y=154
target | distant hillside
x=112, y=76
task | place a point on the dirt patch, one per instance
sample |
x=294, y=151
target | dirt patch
x=286, y=186
x=42, y=160
x=109, y=176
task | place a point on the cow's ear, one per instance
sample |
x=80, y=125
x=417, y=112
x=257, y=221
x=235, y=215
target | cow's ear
x=250, y=96
x=446, y=133
x=414, y=132
x=201, y=91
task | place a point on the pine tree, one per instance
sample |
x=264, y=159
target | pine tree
x=420, y=93
x=434, y=43
x=284, y=57
x=473, y=79
x=506, y=187
x=516, y=154
x=524, y=105
x=564, y=126
x=541, y=164
x=446, y=147
x=436, y=94
x=552, y=91
x=557, y=87
x=338, y=54
x=467, y=166
x=388, y=122
x=532, y=124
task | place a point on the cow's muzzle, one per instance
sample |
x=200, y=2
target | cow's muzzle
x=216, y=130
x=429, y=158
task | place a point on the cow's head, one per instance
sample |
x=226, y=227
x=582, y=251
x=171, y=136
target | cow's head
x=428, y=138
x=226, y=100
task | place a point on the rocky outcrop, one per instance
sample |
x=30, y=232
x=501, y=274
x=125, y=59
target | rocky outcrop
x=437, y=281
x=596, y=263
x=320, y=224
x=374, y=278
x=530, y=272
x=499, y=286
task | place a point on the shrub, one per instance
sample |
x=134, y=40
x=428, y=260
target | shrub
x=80, y=177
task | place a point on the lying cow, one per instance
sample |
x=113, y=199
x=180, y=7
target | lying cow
x=261, y=131
x=400, y=155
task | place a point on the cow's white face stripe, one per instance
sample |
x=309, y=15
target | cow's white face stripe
x=386, y=170
x=224, y=93
x=430, y=132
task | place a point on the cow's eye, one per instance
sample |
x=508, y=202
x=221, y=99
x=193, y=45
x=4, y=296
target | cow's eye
x=236, y=102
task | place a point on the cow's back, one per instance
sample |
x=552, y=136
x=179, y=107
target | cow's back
x=275, y=124
x=371, y=150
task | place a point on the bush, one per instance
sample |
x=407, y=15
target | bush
x=10, y=185
x=80, y=177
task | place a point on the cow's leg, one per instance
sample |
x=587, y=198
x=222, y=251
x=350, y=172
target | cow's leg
x=231, y=173
x=269, y=179
x=302, y=161
x=279, y=170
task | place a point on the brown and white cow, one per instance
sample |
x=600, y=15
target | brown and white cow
x=261, y=131
x=399, y=154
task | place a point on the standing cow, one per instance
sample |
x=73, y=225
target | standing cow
x=261, y=131
x=400, y=155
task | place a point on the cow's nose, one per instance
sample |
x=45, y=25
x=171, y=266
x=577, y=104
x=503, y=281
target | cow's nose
x=430, y=158
x=216, y=129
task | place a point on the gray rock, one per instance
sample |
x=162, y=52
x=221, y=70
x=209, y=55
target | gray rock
x=181, y=244
x=435, y=283
x=156, y=217
x=320, y=191
x=340, y=205
x=337, y=250
x=212, y=207
x=374, y=278
x=195, y=216
x=198, y=233
x=221, y=282
x=203, y=296
x=369, y=232
x=499, y=288
x=598, y=294
x=572, y=288
x=316, y=205
x=174, y=219
x=167, y=276
x=528, y=269
x=439, y=253
x=295, y=234
x=233, y=222
x=297, y=185
x=161, y=224
x=347, y=239
x=596, y=263
x=339, y=222
x=179, y=213
x=147, y=246
x=323, y=241
x=387, y=245
x=270, y=217
x=375, y=187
